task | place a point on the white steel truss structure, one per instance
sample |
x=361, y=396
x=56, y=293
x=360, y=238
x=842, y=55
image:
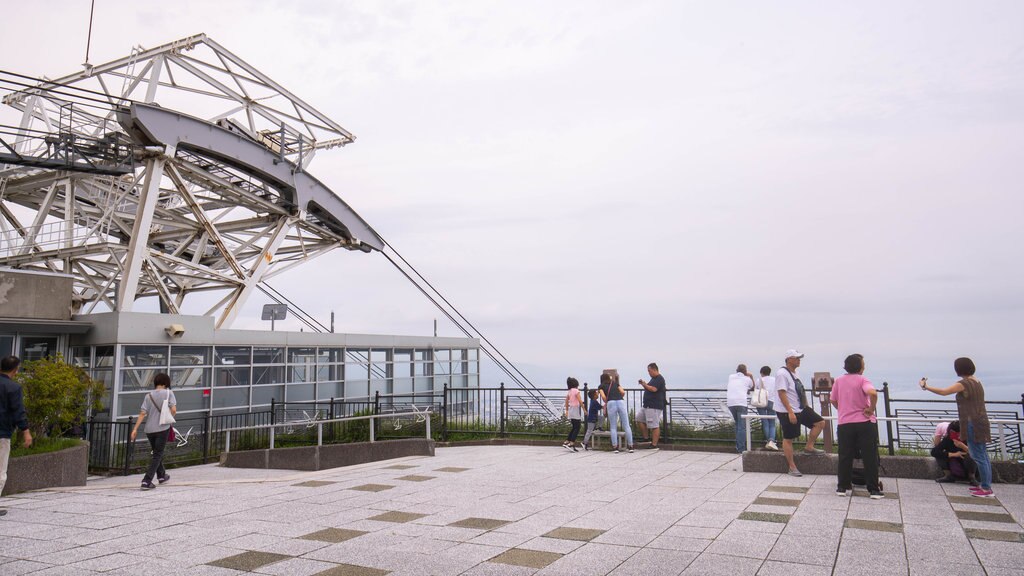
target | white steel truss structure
x=215, y=197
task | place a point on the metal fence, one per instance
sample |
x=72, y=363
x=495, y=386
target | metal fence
x=692, y=416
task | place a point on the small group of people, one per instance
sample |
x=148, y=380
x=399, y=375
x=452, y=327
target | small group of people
x=960, y=447
x=609, y=400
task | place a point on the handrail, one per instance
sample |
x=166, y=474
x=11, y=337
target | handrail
x=1002, y=438
x=320, y=428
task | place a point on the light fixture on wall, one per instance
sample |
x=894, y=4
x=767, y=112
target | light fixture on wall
x=175, y=330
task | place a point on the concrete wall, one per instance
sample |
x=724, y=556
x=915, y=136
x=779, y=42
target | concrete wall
x=68, y=467
x=310, y=458
x=35, y=295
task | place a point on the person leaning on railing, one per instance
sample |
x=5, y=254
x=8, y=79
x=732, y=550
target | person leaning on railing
x=970, y=404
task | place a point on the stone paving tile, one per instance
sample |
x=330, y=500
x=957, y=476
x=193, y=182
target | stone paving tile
x=352, y=570
x=452, y=469
x=873, y=525
x=333, y=535
x=974, y=501
x=920, y=568
x=415, y=478
x=591, y=559
x=580, y=534
x=19, y=567
x=764, y=517
x=314, y=483
x=556, y=545
x=400, y=467
x=248, y=561
x=397, y=517
x=746, y=544
x=789, y=489
x=985, y=516
x=528, y=558
x=371, y=487
x=715, y=565
x=820, y=551
x=480, y=523
x=650, y=562
x=996, y=556
x=765, y=501
x=294, y=567
x=774, y=568
x=492, y=569
x=682, y=544
x=998, y=535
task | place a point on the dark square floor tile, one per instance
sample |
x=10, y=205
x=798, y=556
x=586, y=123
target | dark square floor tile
x=314, y=483
x=399, y=467
x=452, y=469
x=480, y=523
x=765, y=517
x=874, y=525
x=776, y=502
x=333, y=535
x=528, y=558
x=352, y=570
x=985, y=516
x=372, y=487
x=997, y=535
x=415, y=478
x=789, y=489
x=578, y=534
x=248, y=561
x=398, y=517
x=974, y=501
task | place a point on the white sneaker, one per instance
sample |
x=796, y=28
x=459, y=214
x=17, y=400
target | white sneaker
x=770, y=445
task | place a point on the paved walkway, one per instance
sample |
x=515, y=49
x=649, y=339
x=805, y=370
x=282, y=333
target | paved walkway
x=511, y=510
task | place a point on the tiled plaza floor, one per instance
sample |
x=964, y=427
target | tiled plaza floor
x=512, y=510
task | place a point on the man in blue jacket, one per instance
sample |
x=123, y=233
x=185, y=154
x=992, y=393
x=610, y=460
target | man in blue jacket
x=12, y=415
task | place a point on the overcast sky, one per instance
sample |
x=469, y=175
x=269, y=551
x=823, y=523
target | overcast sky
x=603, y=184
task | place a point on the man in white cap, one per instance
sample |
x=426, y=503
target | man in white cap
x=790, y=396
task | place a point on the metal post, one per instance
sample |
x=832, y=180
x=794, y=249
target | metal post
x=272, y=437
x=376, y=410
x=206, y=438
x=428, y=425
x=746, y=419
x=129, y=445
x=888, y=414
x=273, y=410
x=334, y=425
x=372, y=435
x=227, y=441
x=444, y=413
x=501, y=409
x=319, y=434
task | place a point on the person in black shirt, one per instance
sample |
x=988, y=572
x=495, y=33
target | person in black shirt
x=653, y=405
x=12, y=415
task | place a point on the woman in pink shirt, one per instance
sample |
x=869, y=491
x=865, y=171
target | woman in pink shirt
x=855, y=398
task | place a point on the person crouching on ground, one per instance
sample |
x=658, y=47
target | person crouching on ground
x=740, y=384
x=573, y=411
x=795, y=411
x=953, y=456
x=855, y=399
x=593, y=414
x=155, y=431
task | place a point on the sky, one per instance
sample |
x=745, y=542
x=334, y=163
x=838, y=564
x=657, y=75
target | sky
x=606, y=184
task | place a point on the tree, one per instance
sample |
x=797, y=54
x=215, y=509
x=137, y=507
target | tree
x=58, y=395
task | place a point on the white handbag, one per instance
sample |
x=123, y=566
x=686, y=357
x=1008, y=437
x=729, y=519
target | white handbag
x=165, y=412
x=759, y=399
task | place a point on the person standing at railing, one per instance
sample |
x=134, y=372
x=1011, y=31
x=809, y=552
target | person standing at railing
x=653, y=404
x=791, y=398
x=156, y=432
x=970, y=404
x=740, y=384
x=573, y=411
x=617, y=412
x=855, y=398
x=768, y=424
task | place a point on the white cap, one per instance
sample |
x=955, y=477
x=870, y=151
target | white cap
x=791, y=353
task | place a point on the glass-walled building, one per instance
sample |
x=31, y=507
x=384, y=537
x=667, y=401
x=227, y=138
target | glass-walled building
x=230, y=371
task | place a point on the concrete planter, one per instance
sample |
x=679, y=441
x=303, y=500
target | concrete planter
x=68, y=467
x=327, y=456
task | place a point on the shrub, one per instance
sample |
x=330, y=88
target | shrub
x=57, y=395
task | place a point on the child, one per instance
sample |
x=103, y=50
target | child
x=593, y=413
x=573, y=411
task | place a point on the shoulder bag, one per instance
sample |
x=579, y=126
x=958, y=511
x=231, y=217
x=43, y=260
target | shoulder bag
x=759, y=399
x=165, y=412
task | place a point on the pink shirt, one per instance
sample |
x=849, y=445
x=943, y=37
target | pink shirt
x=851, y=395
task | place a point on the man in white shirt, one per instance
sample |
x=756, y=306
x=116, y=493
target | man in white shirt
x=740, y=384
x=793, y=410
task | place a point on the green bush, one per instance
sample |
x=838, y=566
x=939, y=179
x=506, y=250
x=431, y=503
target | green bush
x=43, y=445
x=57, y=395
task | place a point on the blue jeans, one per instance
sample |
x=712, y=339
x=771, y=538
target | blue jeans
x=617, y=412
x=768, y=424
x=741, y=427
x=980, y=455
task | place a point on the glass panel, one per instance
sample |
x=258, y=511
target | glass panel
x=267, y=355
x=301, y=355
x=138, y=379
x=300, y=373
x=474, y=354
x=441, y=368
x=474, y=367
x=190, y=378
x=379, y=355
x=189, y=400
x=231, y=376
x=138, y=356
x=424, y=384
x=356, y=389
x=379, y=386
x=190, y=355
x=474, y=381
x=267, y=375
x=80, y=356
x=459, y=382
x=402, y=386
x=379, y=370
x=442, y=355
x=263, y=394
x=230, y=397
x=228, y=355
x=104, y=356
x=421, y=369
x=328, y=390
x=300, y=392
x=357, y=355
x=458, y=355
x=129, y=404
x=423, y=355
x=330, y=373
x=37, y=348
x=326, y=355
x=6, y=345
x=105, y=376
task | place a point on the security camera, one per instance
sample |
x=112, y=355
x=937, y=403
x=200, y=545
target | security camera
x=175, y=330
